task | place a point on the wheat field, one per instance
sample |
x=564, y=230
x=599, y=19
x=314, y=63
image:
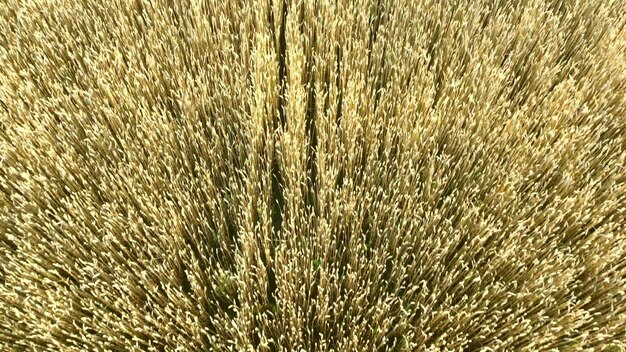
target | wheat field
x=314, y=175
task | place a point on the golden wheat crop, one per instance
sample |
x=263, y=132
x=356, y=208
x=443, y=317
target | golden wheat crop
x=314, y=175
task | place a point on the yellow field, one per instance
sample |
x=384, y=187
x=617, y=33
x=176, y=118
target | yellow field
x=329, y=175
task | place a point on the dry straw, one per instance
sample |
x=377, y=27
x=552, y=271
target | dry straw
x=410, y=175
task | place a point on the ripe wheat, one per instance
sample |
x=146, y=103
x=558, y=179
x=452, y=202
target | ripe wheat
x=407, y=175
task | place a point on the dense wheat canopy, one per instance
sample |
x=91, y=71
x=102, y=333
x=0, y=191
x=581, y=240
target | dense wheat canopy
x=314, y=175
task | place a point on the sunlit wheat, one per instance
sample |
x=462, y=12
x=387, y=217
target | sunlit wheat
x=316, y=175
